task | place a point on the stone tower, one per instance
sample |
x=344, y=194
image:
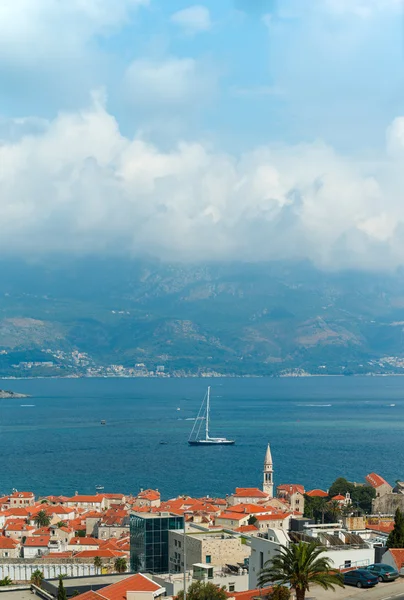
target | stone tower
x=268, y=486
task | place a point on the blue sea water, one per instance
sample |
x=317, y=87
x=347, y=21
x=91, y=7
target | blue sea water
x=319, y=428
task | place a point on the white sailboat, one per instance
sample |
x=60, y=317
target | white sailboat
x=203, y=415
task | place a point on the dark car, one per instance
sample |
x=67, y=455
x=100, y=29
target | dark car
x=383, y=572
x=360, y=578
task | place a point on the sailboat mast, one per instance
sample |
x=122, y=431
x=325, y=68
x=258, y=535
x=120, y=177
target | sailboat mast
x=207, y=413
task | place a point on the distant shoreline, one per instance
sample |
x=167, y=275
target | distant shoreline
x=232, y=376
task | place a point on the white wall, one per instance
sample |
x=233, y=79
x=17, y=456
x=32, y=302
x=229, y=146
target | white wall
x=23, y=571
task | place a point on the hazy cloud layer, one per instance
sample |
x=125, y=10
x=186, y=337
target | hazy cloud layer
x=193, y=19
x=79, y=185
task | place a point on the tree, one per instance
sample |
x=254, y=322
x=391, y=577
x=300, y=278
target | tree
x=37, y=577
x=120, y=565
x=334, y=510
x=315, y=508
x=252, y=520
x=97, y=563
x=341, y=486
x=300, y=566
x=61, y=524
x=42, y=519
x=280, y=592
x=203, y=590
x=396, y=537
x=61, y=590
x=5, y=581
x=361, y=495
x=81, y=533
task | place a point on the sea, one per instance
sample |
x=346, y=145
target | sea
x=319, y=428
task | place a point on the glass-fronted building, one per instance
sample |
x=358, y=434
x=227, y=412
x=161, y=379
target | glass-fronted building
x=149, y=540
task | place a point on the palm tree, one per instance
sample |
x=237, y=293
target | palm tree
x=300, y=566
x=97, y=563
x=61, y=524
x=120, y=565
x=42, y=519
x=61, y=589
x=334, y=509
x=37, y=577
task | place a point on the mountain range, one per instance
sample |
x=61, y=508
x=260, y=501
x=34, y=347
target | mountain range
x=229, y=318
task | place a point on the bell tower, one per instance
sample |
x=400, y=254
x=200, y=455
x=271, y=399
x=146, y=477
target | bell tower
x=268, y=485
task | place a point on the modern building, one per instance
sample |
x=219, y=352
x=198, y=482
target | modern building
x=216, y=548
x=149, y=544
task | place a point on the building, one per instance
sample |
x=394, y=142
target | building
x=293, y=494
x=344, y=549
x=22, y=499
x=395, y=558
x=217, y=548
x=232, y=578
x=34, y=547
x=268, y=479
x=149, y=498
x=247, y=496
x=387, y=500
x=149, y=540
x=9, y=548
x=134, y=587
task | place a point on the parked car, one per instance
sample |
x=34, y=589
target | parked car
x=383, y=572
x=360, y=578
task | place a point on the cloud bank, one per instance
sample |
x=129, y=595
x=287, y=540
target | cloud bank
x=76, y=184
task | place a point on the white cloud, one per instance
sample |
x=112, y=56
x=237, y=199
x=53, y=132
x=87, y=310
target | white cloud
x=79, y=185
x=49, y=29
x=169, y=82
x=361, y=8
x=194, y=19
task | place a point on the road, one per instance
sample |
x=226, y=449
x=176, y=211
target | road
x=382, y=591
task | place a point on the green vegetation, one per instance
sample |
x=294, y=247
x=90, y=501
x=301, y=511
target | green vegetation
x=300, y=565
x=98, y=563
x=5, y=582
x=280, y=592
x=361, y=495
x=327, y=510
x=252, y=520
x=37, y=577
x=261, y=319
x=201, y=590
x=61, y=589
x=396, y=537
x=42, y=519
x=120, y=565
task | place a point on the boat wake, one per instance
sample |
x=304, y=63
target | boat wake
x=316, y=405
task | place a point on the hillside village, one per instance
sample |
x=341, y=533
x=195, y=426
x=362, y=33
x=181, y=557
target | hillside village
x=105, y=536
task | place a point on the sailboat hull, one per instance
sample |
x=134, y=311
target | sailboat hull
x=211, y=442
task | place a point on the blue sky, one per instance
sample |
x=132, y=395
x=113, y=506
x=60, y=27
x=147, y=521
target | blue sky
x=292, y=97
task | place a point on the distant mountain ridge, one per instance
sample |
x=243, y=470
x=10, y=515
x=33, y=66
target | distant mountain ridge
x=246, y=319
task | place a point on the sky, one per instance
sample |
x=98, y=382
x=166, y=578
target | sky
x=221, y=130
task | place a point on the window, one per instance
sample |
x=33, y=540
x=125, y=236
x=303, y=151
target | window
x=231, y=587
x=175, y=543
x=208, y=559
x=347, y=564
x=6, y=554
x=261, y=560
x=179, y=544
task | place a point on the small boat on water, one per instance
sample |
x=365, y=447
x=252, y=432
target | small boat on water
x=203, y=415
x=163, y=443
x=99, y=488
x=103, y=422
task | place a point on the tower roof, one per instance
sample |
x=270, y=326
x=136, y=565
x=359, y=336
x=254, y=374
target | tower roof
x=268, y=456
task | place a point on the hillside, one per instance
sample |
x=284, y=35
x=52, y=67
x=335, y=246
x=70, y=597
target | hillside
x=230, y=318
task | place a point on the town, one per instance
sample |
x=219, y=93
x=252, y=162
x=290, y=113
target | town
x=138, y=544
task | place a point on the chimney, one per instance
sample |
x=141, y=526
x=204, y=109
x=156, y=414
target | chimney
x=76, y=493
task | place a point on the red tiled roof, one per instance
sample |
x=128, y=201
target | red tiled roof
x=107, y=553
x=291, y=488
x=37, y=541
x=79, y=498
x=249, y=493
x=249, y=594
x=84, y=541
x=338, y=497
x=398, y=555
x=251, y=508
x=274, y=517
x=317, y=494
x=232, y=516
x=7, y=543
x=149, y=495
x=246, y=528
x=375, y=480
x=118, y=590
x=22, y=495
x=382, y=527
